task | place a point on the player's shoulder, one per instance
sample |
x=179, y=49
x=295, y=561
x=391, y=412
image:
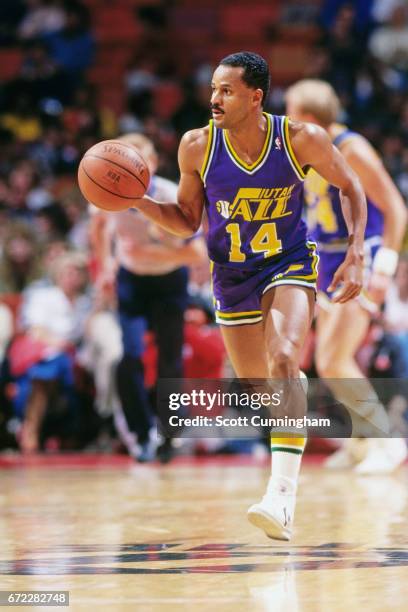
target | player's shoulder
x=193, y=146
x=308, y=140
x=353, y=146
x=356, y=144
x=304, y=131
x=197, y=138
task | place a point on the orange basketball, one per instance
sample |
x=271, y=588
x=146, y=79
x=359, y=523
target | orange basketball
x=112, y=174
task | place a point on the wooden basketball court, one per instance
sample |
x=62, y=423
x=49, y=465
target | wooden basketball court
x=121, y=536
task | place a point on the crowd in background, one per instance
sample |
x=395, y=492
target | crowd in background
x=50, y=114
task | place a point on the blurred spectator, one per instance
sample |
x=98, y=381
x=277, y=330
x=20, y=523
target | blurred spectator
x=77, y=213
x=389, y=43
x=362, y=8
x=203, y=352
x=39, y=78
x=344, y=46
x=85, y=116
x=42, y=17
x=23, y=120
x=82, y=115
x=6, y=328
x=141, y=74
x=391, y=151
x=53, y=319
x=72, y=48
x=194, y=111
x=23, y=189
x=51, y=223
x=20, y=263
x=383, y=9
x=47, y=152
x=27, y=192
x=299, y=12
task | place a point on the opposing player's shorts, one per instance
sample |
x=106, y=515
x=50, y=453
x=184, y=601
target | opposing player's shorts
x=331, y=258
x=238, y=293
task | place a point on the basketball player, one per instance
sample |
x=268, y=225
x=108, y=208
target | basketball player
x=342, y=327
x=246, y=169
x=151, y=285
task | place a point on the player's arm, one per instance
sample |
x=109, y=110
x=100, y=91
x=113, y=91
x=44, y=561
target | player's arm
x=312, y=147
x=184, y=217
x=101, y=239
x=381, y=190
x=192, y=253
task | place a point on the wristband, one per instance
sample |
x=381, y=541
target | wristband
x=385, y=261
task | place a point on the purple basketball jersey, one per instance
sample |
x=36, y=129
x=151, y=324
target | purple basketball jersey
x=254, y=211
x=325, y=217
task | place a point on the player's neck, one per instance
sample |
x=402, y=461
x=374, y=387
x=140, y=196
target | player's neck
x=248, y=138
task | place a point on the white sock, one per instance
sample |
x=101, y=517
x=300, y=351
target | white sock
x=286, y=459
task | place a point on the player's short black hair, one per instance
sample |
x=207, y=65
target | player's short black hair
x=256, y=70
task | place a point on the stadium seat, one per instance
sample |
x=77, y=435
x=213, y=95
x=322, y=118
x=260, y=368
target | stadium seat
x=10, y=63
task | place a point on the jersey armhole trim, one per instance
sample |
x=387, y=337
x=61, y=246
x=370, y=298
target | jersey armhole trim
x=209, y=152
x=289, y=151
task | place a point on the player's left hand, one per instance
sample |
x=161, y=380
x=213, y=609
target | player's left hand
x=350, y=276
x=378, y=287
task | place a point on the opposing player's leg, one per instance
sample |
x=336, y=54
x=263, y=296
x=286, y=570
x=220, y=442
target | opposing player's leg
x=287, y=314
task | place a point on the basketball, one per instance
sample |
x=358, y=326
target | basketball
x=112, y=174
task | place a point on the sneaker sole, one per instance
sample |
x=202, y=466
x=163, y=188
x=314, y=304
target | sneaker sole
x=271, y=526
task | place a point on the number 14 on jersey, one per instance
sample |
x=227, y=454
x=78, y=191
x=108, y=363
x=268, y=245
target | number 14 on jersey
x=265, y=241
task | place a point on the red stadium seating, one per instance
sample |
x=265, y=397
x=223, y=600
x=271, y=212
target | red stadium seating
x=10, y=63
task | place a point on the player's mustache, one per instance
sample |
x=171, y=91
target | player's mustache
x=216, y=108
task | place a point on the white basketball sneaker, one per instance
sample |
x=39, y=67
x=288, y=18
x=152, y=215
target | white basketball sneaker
x=384, y=456
x=275, y=513
x=348, y=455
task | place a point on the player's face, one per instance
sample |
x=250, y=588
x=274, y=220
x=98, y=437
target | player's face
x=232, y=101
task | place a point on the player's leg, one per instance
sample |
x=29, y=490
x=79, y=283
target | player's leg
x=130, y=373
x=167, y=320
x=168, y=304
x=340, y=331
x=245, y=345
x=34, y=416
x=288, y=313
x=45, y=376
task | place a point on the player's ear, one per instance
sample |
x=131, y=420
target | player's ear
x=258, y=97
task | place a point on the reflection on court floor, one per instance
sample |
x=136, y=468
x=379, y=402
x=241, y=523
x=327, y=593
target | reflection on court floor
x=124, y=536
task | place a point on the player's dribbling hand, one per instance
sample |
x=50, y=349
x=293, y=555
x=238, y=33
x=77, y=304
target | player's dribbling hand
x=350, y=276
